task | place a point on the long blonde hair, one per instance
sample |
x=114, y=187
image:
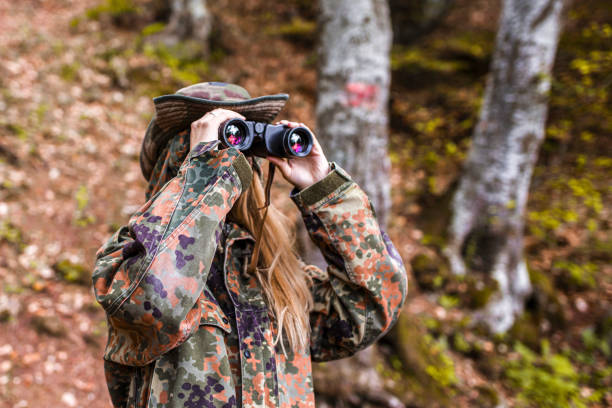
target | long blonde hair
x=282, y=277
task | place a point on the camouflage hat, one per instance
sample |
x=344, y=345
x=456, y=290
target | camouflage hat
x=176, y=112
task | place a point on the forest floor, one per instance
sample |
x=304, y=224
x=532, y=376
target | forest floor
x=76, y=82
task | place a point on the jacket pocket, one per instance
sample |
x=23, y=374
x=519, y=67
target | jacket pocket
x=212, y=314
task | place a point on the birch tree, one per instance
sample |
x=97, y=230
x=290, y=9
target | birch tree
x=352, y=119
x=189, y=19
x=353, y=90
x=486, y=232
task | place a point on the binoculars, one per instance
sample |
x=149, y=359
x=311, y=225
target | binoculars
x=261, y=139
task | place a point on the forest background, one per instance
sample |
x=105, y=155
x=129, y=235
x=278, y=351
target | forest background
x=76, y=82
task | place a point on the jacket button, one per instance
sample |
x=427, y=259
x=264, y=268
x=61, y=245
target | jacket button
x=247, y=353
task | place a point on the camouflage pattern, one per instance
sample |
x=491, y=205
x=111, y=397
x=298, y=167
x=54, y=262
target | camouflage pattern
x=216, y=91
x=188, y=327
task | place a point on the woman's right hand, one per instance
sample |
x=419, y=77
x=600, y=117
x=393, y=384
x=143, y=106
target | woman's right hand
x=206, y=129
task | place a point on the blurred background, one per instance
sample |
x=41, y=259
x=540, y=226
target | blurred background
x=489, y=167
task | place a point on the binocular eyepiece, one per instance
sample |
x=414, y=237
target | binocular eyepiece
x=261, y=139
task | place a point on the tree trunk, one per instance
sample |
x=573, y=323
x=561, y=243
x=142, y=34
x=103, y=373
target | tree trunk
x=486, y=232
x=353, y=91
x=189, y=20
x=352, y=118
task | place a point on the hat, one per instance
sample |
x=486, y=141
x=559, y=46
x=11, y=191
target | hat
x=176, y=112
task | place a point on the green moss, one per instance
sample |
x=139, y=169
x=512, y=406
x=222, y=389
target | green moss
x=185, y=60
x=594, y=344
x=297, y=29
x=461, y=344
x=9, y=233
x=430, y=272
x=546, y=380
x=74, y=23
x=436, y=241
x=526, y=330
x=541, y=282
x=583, y=188
x=448, y=301
x=73, y=272
x=487, y=396
x=576, y=276
x=17, y=130
x=427, y=369
x=69, y=72
x=112, y=8
x=81, y=196
x=413, y=60
x=152, y=29
x=40, y=113
x=443, y=371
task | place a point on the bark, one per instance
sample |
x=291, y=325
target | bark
x=353, y=90
x=189, y=20
x=352, y=119
x=486, y=231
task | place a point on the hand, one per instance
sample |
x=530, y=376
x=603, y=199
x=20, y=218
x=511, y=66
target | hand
x=303, y=171
x=206, y=129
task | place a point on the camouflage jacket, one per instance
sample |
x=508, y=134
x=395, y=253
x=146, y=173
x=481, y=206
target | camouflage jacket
x=187, y=328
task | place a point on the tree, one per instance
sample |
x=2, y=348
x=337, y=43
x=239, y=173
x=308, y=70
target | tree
x=352, y=118
x=189, y=20
x=486, y=231
x=353, y=91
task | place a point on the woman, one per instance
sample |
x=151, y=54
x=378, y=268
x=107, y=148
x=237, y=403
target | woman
x=194, y=320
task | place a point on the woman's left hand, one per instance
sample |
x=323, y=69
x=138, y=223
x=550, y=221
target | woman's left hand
x=303, y=171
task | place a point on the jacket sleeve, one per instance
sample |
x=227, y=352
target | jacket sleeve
x=149, y=276
x=359, y=297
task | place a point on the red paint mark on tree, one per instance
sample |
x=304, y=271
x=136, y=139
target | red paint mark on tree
x=361, y=94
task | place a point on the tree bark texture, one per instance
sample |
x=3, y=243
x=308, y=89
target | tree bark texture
x=353, y=90
x=486, y=232
x=189, y=19
x=352, y=120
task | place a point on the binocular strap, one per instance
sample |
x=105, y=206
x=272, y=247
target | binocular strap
x=256, y=249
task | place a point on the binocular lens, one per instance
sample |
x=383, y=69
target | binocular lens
x=263, y=139
x=297, y=142
x=234, y=135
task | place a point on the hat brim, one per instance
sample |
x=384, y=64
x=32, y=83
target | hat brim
x=174, y=113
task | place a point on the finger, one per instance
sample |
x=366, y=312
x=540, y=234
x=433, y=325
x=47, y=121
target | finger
x=281, y=164
x=221, y=111
x=218, y=116
x=229, y=114
x=236, y=115
x=223, y=116
x=315, y=141
x=289, y=123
